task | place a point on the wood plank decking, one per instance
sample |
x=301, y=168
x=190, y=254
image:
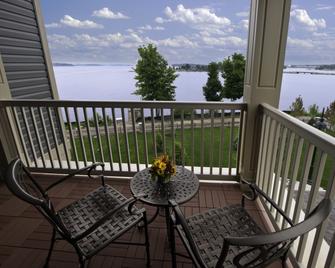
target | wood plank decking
x=25, y=235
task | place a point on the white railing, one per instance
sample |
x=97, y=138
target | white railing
x=295, y=159
x=58, y=136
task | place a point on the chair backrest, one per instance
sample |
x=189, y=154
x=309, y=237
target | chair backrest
x=24, y=186
x=269, y=247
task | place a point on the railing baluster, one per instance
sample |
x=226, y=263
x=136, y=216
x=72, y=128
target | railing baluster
x=163, y=130
x=211, y=153
x=303, y=182
x=279, y=167
x=18, y=127
x=231, y=140
x=37, y=134
x=73, y=143
x=260, y=154
x=316, y=181
x=88, y=129
x=26, y=125
x=192, y=138
x=173, y=140
x=63, y=136
x=293, y=180
x=271, y=156
x=221, y=146
x=107, y=136
x=125, y=133
x=264, y=152
x=97, y=130
x=146, y=159
x=117, y=140
x=153, y=132
x=135, y=139
x=46, y=136
x=284, y=179
x=182, y=137
x=82, y=145
x=330, y=261
x=239, y=142
x=202, y=142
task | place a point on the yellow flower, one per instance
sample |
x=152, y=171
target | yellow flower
x=162, y=166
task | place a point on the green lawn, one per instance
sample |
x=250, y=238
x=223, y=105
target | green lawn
x=210, y=143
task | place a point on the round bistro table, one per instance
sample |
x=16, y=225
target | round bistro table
x=182, y=188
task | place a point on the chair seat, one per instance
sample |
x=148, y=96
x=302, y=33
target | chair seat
x=80, y=215
x=209, y=228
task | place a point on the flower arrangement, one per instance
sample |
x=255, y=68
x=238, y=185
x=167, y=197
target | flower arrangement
x=162, y=169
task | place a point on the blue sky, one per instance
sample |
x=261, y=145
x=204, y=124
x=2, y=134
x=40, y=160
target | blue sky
x=101, y=31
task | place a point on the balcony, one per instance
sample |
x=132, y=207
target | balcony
x=294, y=160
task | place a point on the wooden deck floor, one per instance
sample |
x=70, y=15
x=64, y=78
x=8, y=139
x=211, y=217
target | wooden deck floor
x=25, y=235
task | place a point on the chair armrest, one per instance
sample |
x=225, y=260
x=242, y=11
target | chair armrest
x=129, y=202
x=314, y=219
x=77, y=172
x=256, y=192
x=180, y=220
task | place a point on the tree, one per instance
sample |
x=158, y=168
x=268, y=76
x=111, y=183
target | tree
x=233, y=73
x=213, y=88
x=313, y=110
x=154, y=77
x=297, y=107
x=330, y=114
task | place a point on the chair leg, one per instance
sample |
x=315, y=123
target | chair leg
x=147, y=244
x=172, y=244
x=284, y=259
x=53, y=239
x=81, y=262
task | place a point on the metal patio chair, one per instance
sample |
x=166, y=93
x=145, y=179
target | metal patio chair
x=229, y=237
x=89, y=224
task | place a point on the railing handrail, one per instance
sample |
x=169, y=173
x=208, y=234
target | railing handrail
x=125, y=104
x=315, y=136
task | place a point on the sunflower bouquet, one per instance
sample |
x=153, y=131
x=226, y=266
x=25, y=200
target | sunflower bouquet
x=162, y=169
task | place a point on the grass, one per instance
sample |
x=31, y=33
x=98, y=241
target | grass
x=210, y=143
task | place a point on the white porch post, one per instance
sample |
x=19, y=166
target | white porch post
x=268, y=26
x=7, y=142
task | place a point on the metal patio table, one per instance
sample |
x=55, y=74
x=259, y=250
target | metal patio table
x=182, y=188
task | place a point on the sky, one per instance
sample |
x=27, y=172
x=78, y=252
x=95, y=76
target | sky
x=185, y=31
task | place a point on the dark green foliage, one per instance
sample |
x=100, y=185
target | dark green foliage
x=159, y=144
x=330, y=114
x=180, y=154
x=233, y=73
x=154, y=77
x=213, y=88
x=297, y=107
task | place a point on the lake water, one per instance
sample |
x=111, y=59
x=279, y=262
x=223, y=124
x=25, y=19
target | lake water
x=117, y=83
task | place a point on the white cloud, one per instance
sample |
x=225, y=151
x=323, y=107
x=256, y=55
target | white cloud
x=177, y=42
x=108, y=14
x=52, y=25
x=85, y=24
x=159, y=20
x=60, y=41
x=324, y=7
x=234, y=41
x=242, y=14
x=245, y=24
x=151, y=28
x=300, y=43
x=316, y=34
x=302, y=17
x=195, y=16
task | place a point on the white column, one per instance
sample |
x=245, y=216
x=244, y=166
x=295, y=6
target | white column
x=268, y=26
x=8, y=150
